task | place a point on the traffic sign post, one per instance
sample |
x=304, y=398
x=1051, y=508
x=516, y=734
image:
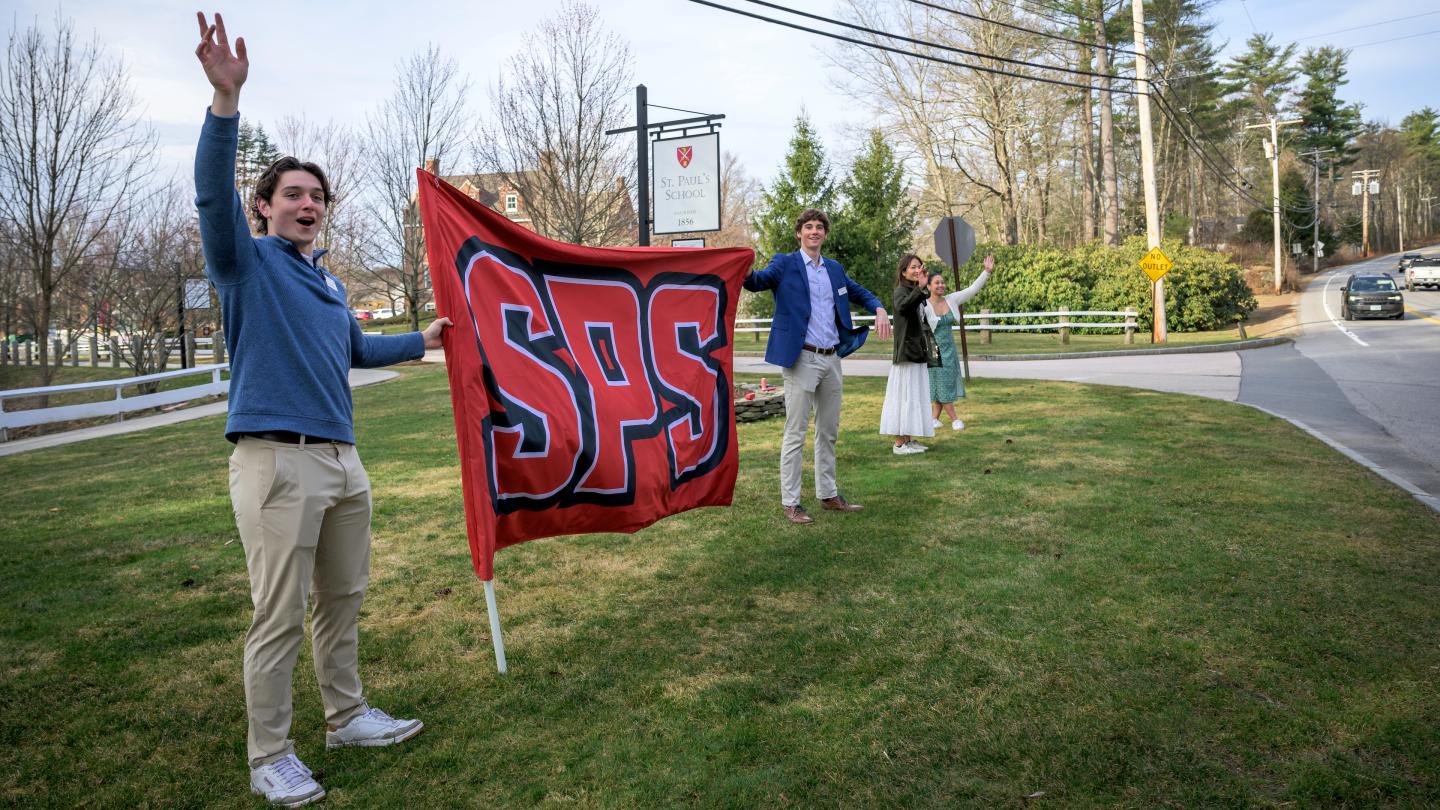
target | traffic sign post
x=1156, y=264
x=955, y=243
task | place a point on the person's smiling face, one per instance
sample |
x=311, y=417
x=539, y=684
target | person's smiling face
x=812, y=235
x=297, y=208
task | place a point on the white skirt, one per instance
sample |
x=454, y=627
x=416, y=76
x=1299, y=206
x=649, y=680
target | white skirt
x=906, y=411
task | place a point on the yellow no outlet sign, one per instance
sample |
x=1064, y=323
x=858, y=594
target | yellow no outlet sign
x=1156, y=264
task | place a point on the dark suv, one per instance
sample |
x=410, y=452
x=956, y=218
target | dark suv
x=1371, y=295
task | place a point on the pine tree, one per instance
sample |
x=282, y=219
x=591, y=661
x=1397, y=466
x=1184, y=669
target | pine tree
x=1328, y=122
x=1262, y=75
x=874, y=227
x=804, y=183
x=254, y=153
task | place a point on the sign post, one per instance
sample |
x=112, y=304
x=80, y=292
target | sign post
x=955, y=243
x=676, y=130
x=1156, y=264
x=687, y=183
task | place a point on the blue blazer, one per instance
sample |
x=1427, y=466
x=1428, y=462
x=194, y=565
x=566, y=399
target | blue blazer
x=785, y=275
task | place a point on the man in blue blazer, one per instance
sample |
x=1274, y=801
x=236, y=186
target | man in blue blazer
x=811, y=331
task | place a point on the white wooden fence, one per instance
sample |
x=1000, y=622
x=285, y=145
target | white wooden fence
x=117, y=406
x=85, y=351
x=982, y=322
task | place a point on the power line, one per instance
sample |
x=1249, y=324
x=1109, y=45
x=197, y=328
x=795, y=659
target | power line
x=1014, y=27
x=1392, y=39
x=902, y=52
x=1368, y=25
x=921, y=42
x=1279, y=45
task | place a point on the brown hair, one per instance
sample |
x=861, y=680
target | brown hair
x=265, y=186
x=812, y=215
x=905, y=260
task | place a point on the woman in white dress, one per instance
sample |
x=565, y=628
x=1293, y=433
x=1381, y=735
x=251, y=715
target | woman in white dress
x=906, y=412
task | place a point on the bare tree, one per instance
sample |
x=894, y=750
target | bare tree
x=72, y=154
x=336, y=149
x=423, y=118
x=568, y=84
x=160, y=251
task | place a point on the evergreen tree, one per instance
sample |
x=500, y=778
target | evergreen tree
x=874, y=225
x=254, y=153
x=1420, y=132
x=1328, y=123
x=803, y=183
x=1262, y=75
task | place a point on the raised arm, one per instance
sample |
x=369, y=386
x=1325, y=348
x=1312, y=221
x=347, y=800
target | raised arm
x=224, y=231
x=959, y=297
x=226, y=71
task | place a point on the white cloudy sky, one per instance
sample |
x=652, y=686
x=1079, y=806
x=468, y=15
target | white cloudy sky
x=333, y=60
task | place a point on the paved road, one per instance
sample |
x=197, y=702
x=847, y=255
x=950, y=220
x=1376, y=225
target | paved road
x=1370, y=386
x=1371, y=389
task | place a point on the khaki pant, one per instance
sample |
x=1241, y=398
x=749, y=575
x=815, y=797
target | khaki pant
x=304, y=519
x=813, y=384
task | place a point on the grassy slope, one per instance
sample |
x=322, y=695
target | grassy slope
x=1116, y=597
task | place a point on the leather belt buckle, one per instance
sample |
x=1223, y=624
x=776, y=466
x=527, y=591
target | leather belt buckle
x=818, y=350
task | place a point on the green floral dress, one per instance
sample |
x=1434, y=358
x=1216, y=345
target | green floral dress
x=946, y=382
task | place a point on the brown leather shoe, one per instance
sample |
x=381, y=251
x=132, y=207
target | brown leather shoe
x=839, y=504
x=796, y=514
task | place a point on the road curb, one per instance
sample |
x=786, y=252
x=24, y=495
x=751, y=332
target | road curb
x=1394, y=478
x=1208, y=348
x=1234, y=346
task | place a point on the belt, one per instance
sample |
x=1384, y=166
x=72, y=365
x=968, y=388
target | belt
x=818, y=350
x=291, y=437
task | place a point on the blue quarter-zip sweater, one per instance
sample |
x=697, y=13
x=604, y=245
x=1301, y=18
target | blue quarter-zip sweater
x=291, y=336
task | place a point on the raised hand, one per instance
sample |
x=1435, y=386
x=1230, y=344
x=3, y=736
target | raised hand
x=225, y=70
x=989, y=263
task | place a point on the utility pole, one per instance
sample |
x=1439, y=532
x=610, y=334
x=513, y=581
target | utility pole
x=1147, y=162
x=1400, y=217
x=1315, y=226
x=1272, y=149
x=1366, y=179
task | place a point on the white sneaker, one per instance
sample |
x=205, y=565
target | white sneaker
x=906, y=449
x=372, y=729
x=934, y=423
x=956, y=425
x=916, y=447
x=286, y=782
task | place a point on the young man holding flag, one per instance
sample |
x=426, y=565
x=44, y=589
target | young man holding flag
x=300, y=494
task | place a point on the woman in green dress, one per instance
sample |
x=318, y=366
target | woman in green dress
x=942, y=312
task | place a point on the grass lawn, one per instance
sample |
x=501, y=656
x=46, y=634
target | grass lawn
x=1091, y=596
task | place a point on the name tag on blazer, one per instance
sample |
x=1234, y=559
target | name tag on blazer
x=841, y=291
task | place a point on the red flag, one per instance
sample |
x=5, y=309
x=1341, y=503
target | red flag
x=592, y=386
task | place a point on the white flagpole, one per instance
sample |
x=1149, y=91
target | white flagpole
x=494, y=612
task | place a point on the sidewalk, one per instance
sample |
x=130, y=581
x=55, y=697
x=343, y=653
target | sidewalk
x=358, y=377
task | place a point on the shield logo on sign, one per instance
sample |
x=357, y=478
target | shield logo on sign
x=683, y=154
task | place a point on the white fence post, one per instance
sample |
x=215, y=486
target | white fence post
x=114, y=352
x=984, y=326
x=217, y=341
x=1129, y=325
x=1064, y=321
x=58, y=348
